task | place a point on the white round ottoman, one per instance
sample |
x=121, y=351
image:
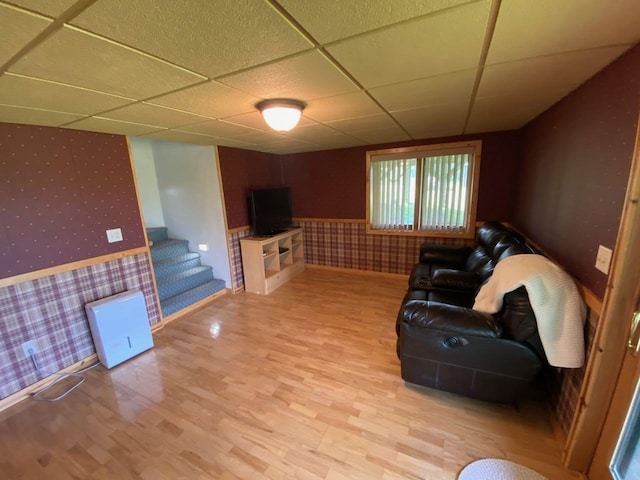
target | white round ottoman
x=496, y=469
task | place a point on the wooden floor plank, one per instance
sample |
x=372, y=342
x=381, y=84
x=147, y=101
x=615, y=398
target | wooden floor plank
x=301, y=384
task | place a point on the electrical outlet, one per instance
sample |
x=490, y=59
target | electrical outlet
x=603, y=260
x=114, y=235
x=30, y=345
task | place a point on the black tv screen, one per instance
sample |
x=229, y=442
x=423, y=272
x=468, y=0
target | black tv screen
x=270, y=210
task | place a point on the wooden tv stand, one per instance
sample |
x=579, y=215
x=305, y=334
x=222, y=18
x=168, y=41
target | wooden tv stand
x=269, y=262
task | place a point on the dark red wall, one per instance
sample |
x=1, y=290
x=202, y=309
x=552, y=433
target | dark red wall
x=60, y=191
x=243, y=171
x=575, y=167
x=332, y=183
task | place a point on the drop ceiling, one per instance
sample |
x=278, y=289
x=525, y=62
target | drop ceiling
x=370, y=71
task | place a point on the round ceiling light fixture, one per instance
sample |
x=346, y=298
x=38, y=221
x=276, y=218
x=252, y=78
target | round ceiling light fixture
x=281, y=114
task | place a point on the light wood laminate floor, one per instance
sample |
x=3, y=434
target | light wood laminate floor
x=301, y=384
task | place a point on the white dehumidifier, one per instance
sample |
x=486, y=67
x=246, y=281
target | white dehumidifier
x=119, y=327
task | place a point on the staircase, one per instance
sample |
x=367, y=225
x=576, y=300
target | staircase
x=181, y=279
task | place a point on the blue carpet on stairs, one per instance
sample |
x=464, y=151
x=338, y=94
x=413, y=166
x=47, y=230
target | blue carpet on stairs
x=181, y=278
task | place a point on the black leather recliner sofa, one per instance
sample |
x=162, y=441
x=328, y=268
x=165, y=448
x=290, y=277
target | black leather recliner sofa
x=444, y=344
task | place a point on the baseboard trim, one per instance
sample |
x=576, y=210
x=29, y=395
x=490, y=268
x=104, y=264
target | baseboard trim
x=20, y=395
x=357, y=271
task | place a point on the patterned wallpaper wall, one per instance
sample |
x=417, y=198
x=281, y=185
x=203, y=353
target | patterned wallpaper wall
x=50, y=311
x=575, y=168
x=61, y=190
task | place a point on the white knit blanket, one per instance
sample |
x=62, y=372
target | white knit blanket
x=554, y=297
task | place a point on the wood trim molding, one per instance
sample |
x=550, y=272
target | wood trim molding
x=357, y=271
x=47, y=272
x=25, y=392
x=142, y=222
x=244, y=228
x=330, y=220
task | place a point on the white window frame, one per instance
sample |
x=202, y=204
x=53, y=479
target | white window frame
x=474, y=147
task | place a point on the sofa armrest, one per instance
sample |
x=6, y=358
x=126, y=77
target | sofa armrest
x=449, y=318
x=451, y=255
x=458, y=279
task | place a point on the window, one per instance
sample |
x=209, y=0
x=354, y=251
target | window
x=427, y=190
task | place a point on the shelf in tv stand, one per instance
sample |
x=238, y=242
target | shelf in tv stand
x=271, y=261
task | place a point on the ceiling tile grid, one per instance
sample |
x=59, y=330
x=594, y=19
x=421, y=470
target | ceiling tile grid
x=370, y=72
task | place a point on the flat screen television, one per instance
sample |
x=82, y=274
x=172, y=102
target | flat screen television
x=270, y=210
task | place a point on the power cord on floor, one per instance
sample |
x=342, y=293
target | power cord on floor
x=62, y=376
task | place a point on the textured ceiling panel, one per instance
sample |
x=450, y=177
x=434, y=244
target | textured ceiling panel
x=445, y=42
x=210, y=99
x=373, y=136
x=18, y=29
x=349, y=125
x=160, y=116
x=341, y=107
x=31, y=92
x=219, y=128
x=53, y=8
x=30, y=116
x=508, y=112
x=528, y=29
x=105, y=125
x=350, y=18
x=183, y=137
x=545, y=73
x=449, y=88
x=412, y=63
x=306, y=76
x=72, y=57
x=209, y=37
x=434, y=121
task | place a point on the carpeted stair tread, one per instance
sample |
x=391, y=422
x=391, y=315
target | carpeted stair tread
x=157, y=234
x=180, y=282
x=182, y=300
x=172, y=265
x=169, y=248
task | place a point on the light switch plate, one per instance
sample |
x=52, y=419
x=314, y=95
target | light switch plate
x=603, y=260
x=114, y=235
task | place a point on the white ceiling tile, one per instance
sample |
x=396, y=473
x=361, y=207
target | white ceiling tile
x=154, y=115
x=373, y=136
x=32, y=92
x=545, y=73
x=449, y=88
x=340, y=107
x=219, y=128
x=507, y=112
x=380, y=120
x=49, y=7
x=444, y=42
x=311, y=133
x=209, y=37
x=75, y=58
x=339, y=141
x=433, y=121
x=105, y=125
x=182, y=137
x=210, y=99
x=32, y=116
x=18, y=29
x=351, y=18
x=527, y=29
x=263, y=138
x=304, y=77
